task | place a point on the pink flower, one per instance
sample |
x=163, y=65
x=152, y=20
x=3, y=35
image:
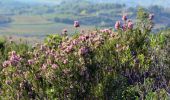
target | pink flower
x=14, y=58
x=44, y=66
x=6, y=63
x=130, y=25
x=65, y=30
x=83, y=51
x=69, y=48
x=106, y=31
x=42, y=47
x=129, y=20
x=151, y=16
x=82, y=38
x=117, y=25
x=102, y=31
x=54, y=66
x=47, y=52
x=66, y=71
x=74, y=42
x=65, y=61
x=124, y=27
x=30, y=62
x=124, y=17
x=13, y=53
x=76, y=24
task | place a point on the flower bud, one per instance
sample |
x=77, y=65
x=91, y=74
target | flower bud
x=124, y=17
x=76, y=24
x=130, y=25
x=117, y=25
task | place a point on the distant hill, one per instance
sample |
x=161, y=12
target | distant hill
x=52, y=2
x=146, y=3
x=164, y=3
x=54, y=15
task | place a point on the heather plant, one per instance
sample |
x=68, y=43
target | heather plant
x=127, y=64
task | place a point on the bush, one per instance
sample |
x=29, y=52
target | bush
x=102, y=64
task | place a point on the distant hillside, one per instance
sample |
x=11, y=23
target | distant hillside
x=51, y=2
x=130, y=3
x=146, y=3
x=45, y=16
x=164, y=3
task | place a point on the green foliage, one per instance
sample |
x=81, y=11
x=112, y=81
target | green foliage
x=53, y=40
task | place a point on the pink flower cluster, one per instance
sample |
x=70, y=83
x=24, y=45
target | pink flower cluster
x=109, y=31
x=117, y=25
x=48, y=58
x=49, y=63
x=80, y=45
x=76, y=24
x=124, y=17
x=130, y=25
x=14, y=59
x=69, y=48
x=54, y=66
x=31, y=62
x=151, y=16
x=6, y=63
x=127, y=24
x=83, y=51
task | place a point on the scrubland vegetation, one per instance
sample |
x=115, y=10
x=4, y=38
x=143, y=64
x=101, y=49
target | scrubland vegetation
x=130, y=63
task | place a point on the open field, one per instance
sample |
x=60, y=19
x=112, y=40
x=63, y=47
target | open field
x=36, y=27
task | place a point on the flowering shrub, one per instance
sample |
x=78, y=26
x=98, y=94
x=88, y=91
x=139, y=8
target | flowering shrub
x=100, y=64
